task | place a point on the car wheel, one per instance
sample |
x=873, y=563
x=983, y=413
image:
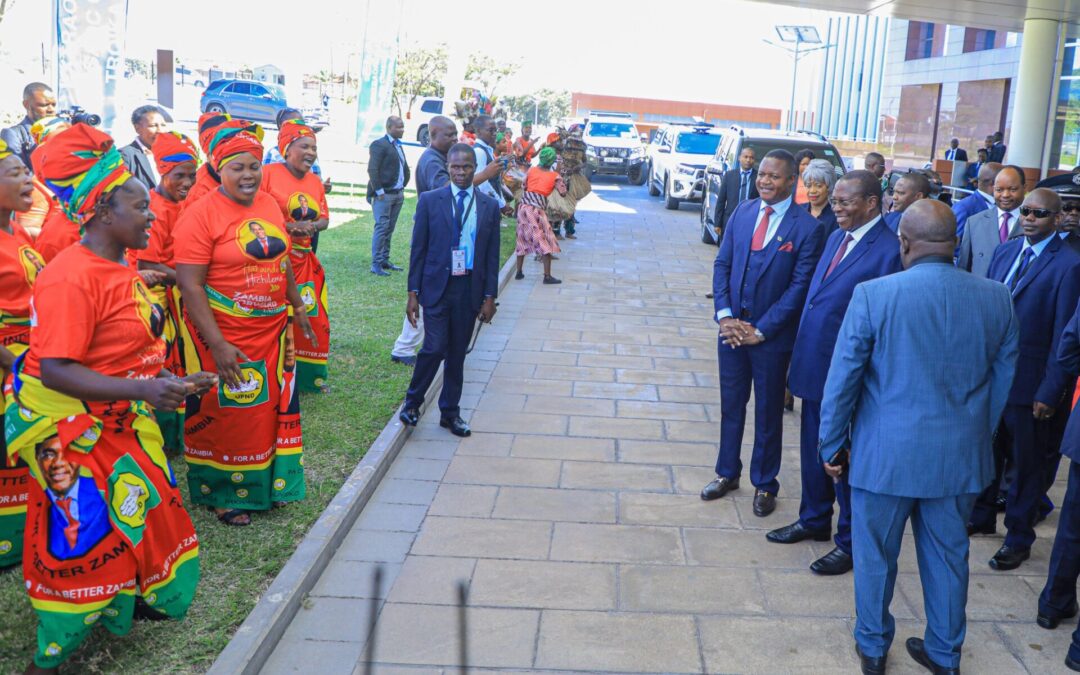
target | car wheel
x=637, y=175
x=653, y=190
x=670, y=203
x=423, y=137
x=215, y=108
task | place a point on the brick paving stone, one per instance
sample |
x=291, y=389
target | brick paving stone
x=428, y=634
x=616, y=390
x=504, y=471
x=473, y=501
x=563, y=447
x=576, y=506
x=665, y=452
x=565, y=405
x=700, y=590
x=616, y=543
x=778, y=644
x=547, y=585
x=431, y=580
x=651, y=643
x=611, y=427
x=483, y=538
x=677, y=510
x=608, y=476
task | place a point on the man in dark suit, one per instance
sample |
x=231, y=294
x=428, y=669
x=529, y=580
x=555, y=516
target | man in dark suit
x=388, y=174
x=971, y=174
x=863, y=248
x=78, y=517
x=1057, y=601
x=909, y=189
x=1043, y=275
x=1069, y=229
x=760, y=279
x=955, y=153
x=997, y=147
x=738, y=185
x=262, y=246
x=917, y=381
x=148, y=122
x=454, y=275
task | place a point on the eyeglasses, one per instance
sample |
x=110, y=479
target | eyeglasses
x=1071, y=205
x=1026, y=211
x=843, y=203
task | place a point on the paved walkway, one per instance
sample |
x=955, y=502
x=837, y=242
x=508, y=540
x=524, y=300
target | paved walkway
x=572, y=511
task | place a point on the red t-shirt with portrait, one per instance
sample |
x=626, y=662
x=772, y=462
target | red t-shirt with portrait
x=166, y=213
x=245, y=249
x=98, y=313
x=19, y=267
x=299, y=199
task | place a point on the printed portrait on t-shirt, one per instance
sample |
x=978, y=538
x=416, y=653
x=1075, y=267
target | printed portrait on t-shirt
x=303, y=206
x=78, y=516
x=151, y=313
x=32, y=263
x=260, y=239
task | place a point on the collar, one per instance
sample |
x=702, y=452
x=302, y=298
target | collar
x=746, y=171
x=1014, y=215
x=1037, y=248
x=72, y=493
x=989, y=198
x=142, y=146
x=938, y=259
x=481, y=143
x=780, y=208
x=454, y=190
x=859, y=232
x=393, y=141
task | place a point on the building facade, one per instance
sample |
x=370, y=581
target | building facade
x=851, y=77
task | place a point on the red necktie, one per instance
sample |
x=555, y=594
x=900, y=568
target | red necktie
x=71, y=532
x=758, y=242
x=1003, y=231
x=839, y=255
x=266, y=247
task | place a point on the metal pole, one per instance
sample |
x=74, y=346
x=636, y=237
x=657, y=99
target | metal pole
x=536, y=111
x=794, y=77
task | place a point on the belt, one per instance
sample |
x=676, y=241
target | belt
x=393, y=191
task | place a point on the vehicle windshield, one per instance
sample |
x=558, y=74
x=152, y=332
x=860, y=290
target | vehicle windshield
x=762, y=147
x=697, y=144
x=611, y=130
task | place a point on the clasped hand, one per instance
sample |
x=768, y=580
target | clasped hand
x=738, y=333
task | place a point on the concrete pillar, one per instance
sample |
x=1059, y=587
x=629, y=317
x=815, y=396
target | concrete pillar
x=1034, y=89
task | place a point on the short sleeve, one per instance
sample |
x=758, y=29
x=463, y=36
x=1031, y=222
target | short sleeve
x=194, y=241
x=64, y=321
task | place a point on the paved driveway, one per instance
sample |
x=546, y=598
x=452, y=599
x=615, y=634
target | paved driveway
x=573, y=514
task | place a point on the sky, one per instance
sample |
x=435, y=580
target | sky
x=711, y=51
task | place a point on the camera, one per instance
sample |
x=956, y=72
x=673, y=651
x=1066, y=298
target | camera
x=78, y=115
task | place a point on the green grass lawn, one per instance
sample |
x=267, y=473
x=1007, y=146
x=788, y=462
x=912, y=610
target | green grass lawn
x=239, y=563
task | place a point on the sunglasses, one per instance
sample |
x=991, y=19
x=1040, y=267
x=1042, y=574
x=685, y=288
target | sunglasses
x=1026, y=211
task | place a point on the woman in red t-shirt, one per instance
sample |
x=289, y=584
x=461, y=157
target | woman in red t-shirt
x=302, y=199
x=108, y=537
x=242, y=440
x=206, y=178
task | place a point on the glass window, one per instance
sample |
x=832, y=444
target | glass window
x=697, y=144
x=920, y=42
x=611, y=130
x=978, y=39
x=1065, y=143
x=258, y=90
x=239, y=88
x=763, y=147
x=433, y=106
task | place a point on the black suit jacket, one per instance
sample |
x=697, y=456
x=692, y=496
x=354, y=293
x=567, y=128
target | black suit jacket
x=1073, y=242
x=138, y=164
x=961, y=154
x=728, y=198
x=382, y=168
x=433, y=239
x=997, y=153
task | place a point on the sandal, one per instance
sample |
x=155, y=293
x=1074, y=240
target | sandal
x=232, y=517
x=519, y=276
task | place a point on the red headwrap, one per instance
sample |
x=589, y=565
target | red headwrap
x=80, y=165
x=233, y=138
x=289, y=131
x=171, y=149
x=208, y=124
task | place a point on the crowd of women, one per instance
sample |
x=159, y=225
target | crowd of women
x=141, y=322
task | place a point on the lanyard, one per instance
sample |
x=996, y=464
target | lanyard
x=459, y=224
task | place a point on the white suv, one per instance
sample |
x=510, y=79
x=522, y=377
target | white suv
x=677, y=163
x=614, y=148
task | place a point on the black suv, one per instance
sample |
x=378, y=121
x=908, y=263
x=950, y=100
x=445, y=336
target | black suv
x=762, y=141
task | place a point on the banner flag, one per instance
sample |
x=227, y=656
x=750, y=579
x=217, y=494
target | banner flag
x=90, y=54
x=378, y=66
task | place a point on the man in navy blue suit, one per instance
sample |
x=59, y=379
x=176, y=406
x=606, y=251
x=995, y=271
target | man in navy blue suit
x=910, y=188
x=454, y=275
x=760, y=279
x=916, y=386
x=1058, y=598
x=1043, y=275
x=863, y=248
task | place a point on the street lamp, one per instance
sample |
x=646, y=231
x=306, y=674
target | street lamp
x=800, y=35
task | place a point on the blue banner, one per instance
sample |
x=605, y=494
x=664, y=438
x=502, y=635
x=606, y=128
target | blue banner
x=378, y=66
x=90, y=54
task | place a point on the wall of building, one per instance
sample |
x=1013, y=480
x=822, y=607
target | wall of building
x=851, y=77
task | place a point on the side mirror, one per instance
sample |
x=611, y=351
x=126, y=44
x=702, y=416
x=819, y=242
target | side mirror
x=664, y=150
x=714, y=170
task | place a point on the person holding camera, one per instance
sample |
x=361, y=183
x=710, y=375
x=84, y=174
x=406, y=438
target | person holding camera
x=38, y=101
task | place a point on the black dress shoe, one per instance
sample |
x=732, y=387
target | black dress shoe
x=1051, y=621
x=1072, y=664
x=981, y=529
x=917, y=650
x=409, y=417
x=392, y=267
x=871, y=665
x=999, y=503
x=456, y=426
x=794, y=533
x=709, y=295
x=404, y=360
x=833, y=563
x=1009, y=558
x=379, y=272
x=719, y=487
x=764, y=503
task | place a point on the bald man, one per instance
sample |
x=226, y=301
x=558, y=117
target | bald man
x=388, y=174
x=983, y=197
x=987, y=230
x=1043, y=275
x=917, y=382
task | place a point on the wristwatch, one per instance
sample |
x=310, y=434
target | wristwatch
x=761, y=336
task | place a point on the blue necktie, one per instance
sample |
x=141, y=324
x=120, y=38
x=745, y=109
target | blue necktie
x=1025, y=263
x=459, y=216
x=743, y=185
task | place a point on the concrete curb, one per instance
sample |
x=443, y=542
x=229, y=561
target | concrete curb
x=253, y=643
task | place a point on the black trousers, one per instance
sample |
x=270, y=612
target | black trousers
x=448, y=327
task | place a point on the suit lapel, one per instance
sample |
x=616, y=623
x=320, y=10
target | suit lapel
x=781, y=237
x=1040, y=262
x=861, y=247
x=819, y=273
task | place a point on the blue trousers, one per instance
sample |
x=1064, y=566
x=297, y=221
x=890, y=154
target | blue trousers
x=1059, y=594
x=818, y=489
x=767, y=372
x=448, y=327
x=386, y=210
x=941, y=545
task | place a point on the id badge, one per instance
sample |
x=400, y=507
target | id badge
x=457, y=262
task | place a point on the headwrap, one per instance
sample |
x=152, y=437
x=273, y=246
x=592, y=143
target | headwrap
x=232, y=138
x=5, y=151
x=171, y=149
x=208, y=123
x=553, y=137
x=547, y=157
x=80, y=165
x=291, y=130
x=47, y=126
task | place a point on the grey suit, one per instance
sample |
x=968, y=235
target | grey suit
x=981, y=237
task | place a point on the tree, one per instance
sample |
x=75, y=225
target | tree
x=550, y=106
x=419, y=72
x=489, y=72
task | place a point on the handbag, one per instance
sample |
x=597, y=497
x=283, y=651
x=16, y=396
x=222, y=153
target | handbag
x=560, y=207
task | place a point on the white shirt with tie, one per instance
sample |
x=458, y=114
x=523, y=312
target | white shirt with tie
x=1014, y=217
x=399, y=184
x=779, y=210
x=1036, y=250
x=856, y=236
